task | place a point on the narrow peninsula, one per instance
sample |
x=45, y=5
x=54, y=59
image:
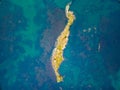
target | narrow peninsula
x=57, y=54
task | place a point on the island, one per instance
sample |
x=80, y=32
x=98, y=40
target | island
x=60, y=44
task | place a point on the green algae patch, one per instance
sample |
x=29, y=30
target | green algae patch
x=27, y=6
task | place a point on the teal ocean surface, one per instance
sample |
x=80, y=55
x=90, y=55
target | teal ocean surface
x=28, y=32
